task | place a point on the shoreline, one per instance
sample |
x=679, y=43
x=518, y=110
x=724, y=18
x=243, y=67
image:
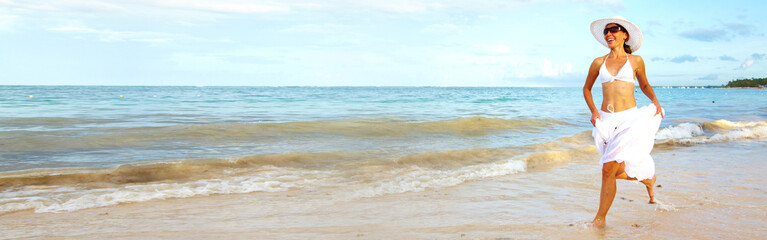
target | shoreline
x=703, y=193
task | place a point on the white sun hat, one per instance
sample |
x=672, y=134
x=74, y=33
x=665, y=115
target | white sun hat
x=635, y=35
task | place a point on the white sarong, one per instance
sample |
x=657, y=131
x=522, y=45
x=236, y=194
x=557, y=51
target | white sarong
x=628, y=136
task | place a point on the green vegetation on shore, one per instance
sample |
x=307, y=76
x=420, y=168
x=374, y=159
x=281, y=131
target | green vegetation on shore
x=753, y=82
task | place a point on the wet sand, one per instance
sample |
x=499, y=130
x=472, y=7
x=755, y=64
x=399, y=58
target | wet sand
x=713, y=191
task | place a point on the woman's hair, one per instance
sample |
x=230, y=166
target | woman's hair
x=626, y=47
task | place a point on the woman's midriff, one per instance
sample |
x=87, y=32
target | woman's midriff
x=617, y=96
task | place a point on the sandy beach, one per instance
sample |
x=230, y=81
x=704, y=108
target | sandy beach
x=705, y=192
x=241, y=119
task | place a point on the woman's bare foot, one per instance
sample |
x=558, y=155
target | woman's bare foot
x=599, y=222
x=649, y=184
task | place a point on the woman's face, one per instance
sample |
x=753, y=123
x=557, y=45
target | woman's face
x=616, y=38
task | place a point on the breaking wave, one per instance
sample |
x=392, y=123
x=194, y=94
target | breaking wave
x=718, y=131
x=350, y=173
x=99, y=138
x=361, y=173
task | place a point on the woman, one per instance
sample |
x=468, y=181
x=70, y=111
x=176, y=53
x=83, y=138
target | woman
x=624, y=134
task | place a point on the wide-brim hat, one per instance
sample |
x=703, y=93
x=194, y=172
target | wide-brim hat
x=635, y=35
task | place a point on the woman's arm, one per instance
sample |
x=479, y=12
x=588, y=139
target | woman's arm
x=645, y=85
x=590, y=79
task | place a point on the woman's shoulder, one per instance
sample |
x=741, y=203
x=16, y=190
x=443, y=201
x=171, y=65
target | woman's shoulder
x=599, y=60
x=635, y=59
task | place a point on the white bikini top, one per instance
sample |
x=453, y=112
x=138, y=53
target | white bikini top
x=625, y=74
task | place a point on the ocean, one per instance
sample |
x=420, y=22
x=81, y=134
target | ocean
x=300, y=153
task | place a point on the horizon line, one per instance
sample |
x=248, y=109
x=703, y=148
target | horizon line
x=277, y=86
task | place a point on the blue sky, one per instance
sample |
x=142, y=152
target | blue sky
x=368, y=43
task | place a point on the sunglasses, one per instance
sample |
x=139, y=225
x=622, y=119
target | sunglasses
x=612, y=30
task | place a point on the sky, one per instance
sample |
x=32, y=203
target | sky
x=368, y=42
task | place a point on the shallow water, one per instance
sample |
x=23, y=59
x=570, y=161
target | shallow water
x=696, y=201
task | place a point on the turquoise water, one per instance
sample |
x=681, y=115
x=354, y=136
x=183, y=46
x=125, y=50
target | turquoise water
x=154, y=106
x=135, y=124
x=76, y=113
x=84, y=141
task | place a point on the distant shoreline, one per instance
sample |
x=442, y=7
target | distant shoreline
x=748, y=83
x=746, y=87
x=223, y=86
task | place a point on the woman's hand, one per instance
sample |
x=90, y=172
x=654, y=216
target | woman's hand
x=658, y=109
x=594, y=117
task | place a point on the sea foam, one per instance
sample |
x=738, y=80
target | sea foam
x=71, y=199
x=719, y=131
x=684, y=130
x=417, y=179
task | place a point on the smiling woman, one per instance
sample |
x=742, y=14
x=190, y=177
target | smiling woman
x=624, y=134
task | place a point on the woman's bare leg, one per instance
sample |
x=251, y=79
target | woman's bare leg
x=648, y=183
x=607, y=195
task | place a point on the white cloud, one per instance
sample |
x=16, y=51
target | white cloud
x=230, y=6
x=567, y=67
x=117, y=36
x=751, y=60
x=552, y=70
x=443, y=28
x=160, y=7
x=7, y=22
x=242, y=61
x=491, y=50
x=186, y=12
x=317, y=28
x=549, y=69
x=747, y=64
x=106, y=35
x=490, y=17
x=78, y=6
x=131, y=6
x=401, y=6
x=73, y=29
